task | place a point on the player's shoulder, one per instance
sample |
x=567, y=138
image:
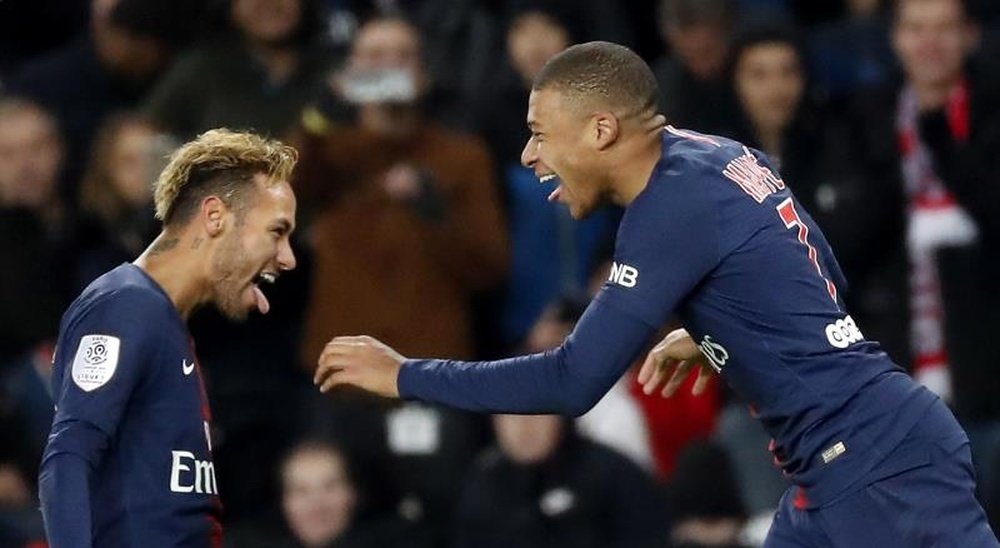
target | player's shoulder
x=126, y=291
x=695, y=155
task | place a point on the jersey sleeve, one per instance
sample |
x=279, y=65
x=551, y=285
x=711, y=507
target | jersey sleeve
x=567, y=381
x=667, y=242
x=102, y=357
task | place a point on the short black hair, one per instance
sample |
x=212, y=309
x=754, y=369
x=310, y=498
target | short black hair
x=767, y=33
x=968, y=10
x=603, y=71
x=684, y=14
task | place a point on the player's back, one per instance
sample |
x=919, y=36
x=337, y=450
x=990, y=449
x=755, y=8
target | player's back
x=762, y=295
x=125, y=375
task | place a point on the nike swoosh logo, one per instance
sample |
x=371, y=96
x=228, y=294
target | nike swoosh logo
x=187, y=367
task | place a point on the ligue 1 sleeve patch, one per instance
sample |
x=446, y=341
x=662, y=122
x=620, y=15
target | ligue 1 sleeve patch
x=95, y=361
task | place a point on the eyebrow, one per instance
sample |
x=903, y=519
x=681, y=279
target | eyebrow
x=285, y=225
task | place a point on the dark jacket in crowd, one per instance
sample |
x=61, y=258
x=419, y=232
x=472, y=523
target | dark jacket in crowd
x=968, y=274
x=585, y=495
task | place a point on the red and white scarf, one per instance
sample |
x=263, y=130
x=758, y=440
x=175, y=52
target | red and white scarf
x=935, y=220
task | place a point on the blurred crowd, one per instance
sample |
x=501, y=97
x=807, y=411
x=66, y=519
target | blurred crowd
x=419, y=226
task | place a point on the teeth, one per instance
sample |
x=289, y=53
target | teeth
x=547, y=177
x=268, y=277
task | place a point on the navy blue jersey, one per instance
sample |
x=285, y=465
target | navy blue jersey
x=130, y=440
x=717, y=239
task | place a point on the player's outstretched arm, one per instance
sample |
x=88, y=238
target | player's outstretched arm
x=568, y=380
x=674, y=358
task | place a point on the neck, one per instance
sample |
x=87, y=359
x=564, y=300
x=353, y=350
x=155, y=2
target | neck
x=632, y=171
x=278, y=61
x=770, y=140
x=933, y=95
x=170, y=262
x=389, y=120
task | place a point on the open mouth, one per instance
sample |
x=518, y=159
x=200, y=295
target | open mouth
x=259, y=298
x=549, y=177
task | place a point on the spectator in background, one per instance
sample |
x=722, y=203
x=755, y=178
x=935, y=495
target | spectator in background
x=550, y=254
x=323, y=507
x=934, y=138
x=20, y=520
x=853, y=53
x=260, y=77
x=36, y=229
x=108, y=69
x=705, y=500
x=543, y=486
x=407, y=222
x=405, y=227
x=117, y=192
x=693, y=88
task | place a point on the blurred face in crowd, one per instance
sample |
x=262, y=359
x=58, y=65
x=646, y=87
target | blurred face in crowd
x=769, y=82
x=255, y=246
x=318, y=498
x=14, y=491
x=269, y=22
x=932, y=39
x=132, y=162
x=532, y=39
x=702, y=48
x=389, y=45
x=560, y=150
x=528, y=439
x=129, y=54
x=31, y=156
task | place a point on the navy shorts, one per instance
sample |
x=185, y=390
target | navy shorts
x=922, y=495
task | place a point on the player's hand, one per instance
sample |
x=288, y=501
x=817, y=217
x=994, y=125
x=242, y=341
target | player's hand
x=674, y=358
x=359, y=361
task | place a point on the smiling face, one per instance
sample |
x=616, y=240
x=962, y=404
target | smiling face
x=932, y=39
x=318, y=499
x=254, y=249
x=559, y=150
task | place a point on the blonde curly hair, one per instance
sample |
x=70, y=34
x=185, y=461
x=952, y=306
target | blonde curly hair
x=219, y=162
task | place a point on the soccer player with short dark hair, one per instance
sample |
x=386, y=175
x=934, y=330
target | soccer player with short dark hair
x=712, y=234
x=129, y=457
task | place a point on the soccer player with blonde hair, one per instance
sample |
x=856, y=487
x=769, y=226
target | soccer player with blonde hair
x=129, y=457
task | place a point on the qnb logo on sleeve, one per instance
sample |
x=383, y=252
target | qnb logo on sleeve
x=716, y=354
x=624, y=275
x=190, y=475
x=843, y=333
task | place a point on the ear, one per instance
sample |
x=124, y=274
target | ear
x=605, y=130
x=213, y=215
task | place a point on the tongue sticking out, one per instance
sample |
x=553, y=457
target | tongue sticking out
x=262, y=303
